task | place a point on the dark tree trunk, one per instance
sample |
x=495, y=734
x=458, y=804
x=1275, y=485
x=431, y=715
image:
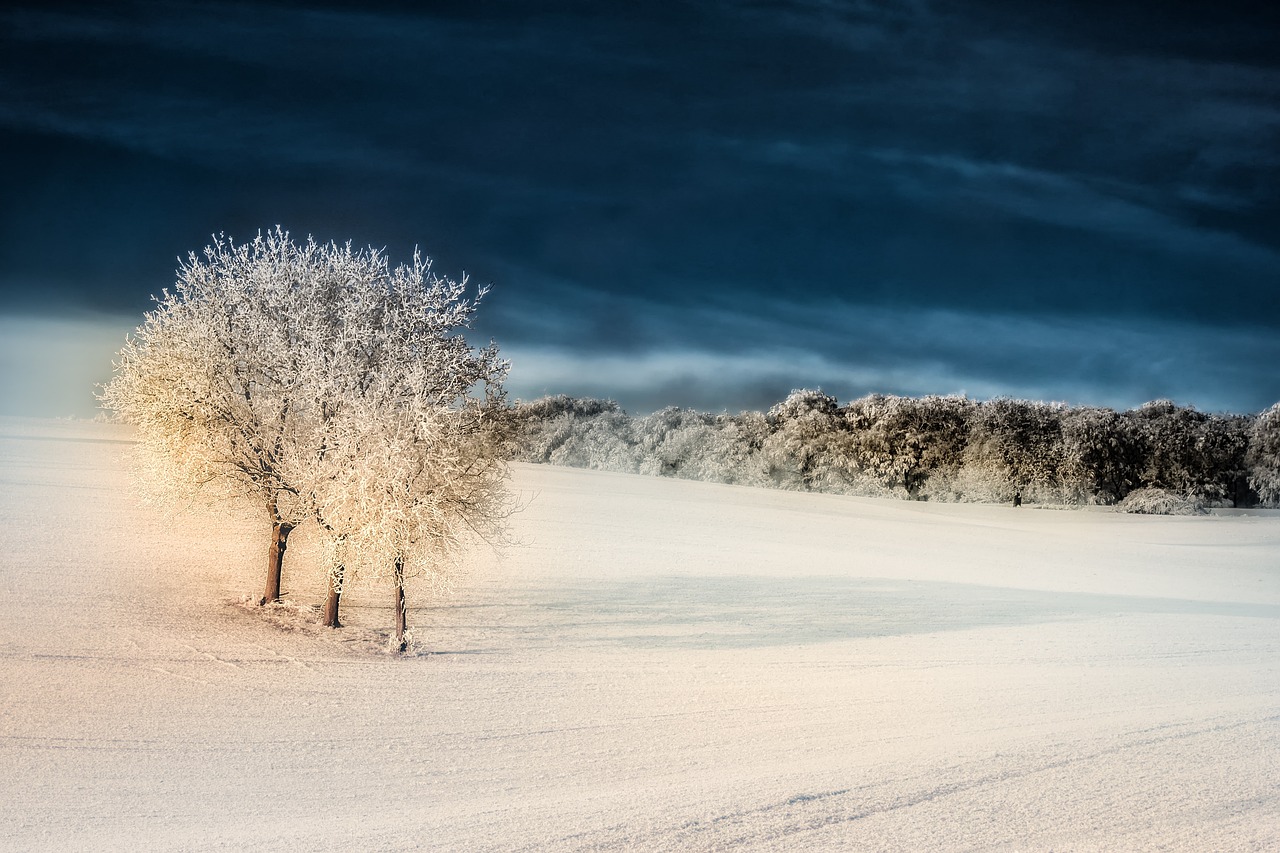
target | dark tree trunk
x=401, y=626
x=334, y=598
x=280, y=531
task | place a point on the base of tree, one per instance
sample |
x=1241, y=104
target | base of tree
x=401, y=617
x=334, y=598
x=280, y=531
x=331, y=610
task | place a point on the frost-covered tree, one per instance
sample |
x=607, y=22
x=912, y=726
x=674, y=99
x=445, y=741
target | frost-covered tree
x=1264, y=456
x=1102, y=455
x=316, y=381
x=214, y=378
x=1167, y=434
x=1014, y=445
x=409, y=451
x=903, y=442
x=806, y=427
x=1220, y=472
x=1191, y=453
x=407, y=480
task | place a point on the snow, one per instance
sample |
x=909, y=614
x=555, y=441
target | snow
x=656, y=664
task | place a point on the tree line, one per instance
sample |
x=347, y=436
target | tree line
x=1156, y=457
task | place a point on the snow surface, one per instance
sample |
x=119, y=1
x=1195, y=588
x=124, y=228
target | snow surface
x=657, y=665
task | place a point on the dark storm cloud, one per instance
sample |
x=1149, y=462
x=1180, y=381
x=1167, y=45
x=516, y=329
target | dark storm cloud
x=1077, y=203
x=886, y=194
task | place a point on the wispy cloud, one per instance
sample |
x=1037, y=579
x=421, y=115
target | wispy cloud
x=1062, y=200
x=712, y=356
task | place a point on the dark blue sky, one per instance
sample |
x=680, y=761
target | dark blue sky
x=701, y=204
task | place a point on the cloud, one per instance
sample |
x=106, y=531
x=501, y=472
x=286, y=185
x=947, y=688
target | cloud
x=701, y=200
x=1062, y=200
x=50, y=366
x=224, y=84
x=850, y=351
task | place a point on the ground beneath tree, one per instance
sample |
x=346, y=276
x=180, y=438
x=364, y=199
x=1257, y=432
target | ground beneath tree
x=655, y=664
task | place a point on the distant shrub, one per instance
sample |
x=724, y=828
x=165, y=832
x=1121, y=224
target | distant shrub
x=1161, y=502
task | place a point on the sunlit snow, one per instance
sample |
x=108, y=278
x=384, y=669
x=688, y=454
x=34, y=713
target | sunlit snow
x=655, y=664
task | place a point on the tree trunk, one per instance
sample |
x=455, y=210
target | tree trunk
x=280, y=531
x=401, y=626
x=335, y=597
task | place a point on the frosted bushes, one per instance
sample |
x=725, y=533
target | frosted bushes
x=604, y=442
x=694, y=446
x=577, y=433
x=930, y=448
x=674, y=442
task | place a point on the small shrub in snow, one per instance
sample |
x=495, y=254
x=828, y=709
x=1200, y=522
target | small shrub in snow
x=1161, y=502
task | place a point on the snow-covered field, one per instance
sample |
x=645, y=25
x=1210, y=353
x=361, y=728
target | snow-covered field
x=657, y=665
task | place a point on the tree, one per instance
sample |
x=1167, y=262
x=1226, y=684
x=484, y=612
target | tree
x=213, y=379
x=1168, y=437
x=282, y=373
x=424, y=483
x=1220, y=471
x=410, y=454
x=806, y=428
x=1014, y=445
x=1193, y=453
x=1102, y=455
x=903, y=441
x=1264, y=456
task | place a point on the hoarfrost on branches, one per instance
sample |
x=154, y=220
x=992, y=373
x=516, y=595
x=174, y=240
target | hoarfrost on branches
x=410, y=459
x=318, y=382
